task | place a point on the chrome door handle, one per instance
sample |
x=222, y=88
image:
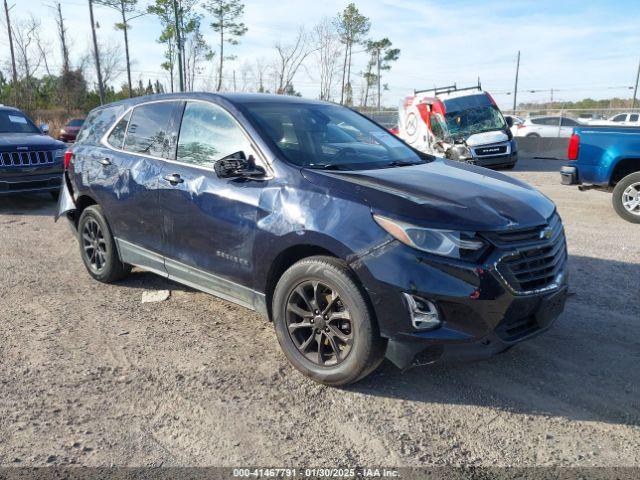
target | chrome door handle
x=173, y=178
x=105, y=162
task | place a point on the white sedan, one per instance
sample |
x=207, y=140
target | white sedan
x=552, y=126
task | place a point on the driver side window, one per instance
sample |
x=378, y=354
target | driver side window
x=207, y=134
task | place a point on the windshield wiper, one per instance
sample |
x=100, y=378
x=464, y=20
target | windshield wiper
x=401, y=163
x=331, y=166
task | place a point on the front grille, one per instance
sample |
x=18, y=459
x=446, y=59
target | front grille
x=499, y=150
x=27, y=159
x=537, y=259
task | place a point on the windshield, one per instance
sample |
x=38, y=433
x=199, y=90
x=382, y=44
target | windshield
x=474, y=120
x=75, y=122
x=16, y=122
x=472, y=114
x=329, y=137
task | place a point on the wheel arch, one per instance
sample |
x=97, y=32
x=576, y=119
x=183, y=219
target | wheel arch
x=622, y=168
x=284, y=260
x=82, y=203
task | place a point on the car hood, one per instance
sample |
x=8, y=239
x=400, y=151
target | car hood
x=33, y=141
x=443, y=194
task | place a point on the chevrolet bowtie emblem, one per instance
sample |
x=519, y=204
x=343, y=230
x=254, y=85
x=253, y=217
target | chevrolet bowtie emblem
x=546, y=234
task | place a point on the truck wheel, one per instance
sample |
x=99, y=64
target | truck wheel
x=626, y=198
x=324, y=324
x=98, y=248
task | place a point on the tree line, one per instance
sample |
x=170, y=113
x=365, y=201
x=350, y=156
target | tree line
x=199, y=39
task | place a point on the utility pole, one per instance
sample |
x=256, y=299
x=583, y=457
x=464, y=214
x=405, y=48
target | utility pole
x=179, y=42
x=96, y=53
x=13, y=56
x=515, y=88
x=379, y=89
x=635, y=90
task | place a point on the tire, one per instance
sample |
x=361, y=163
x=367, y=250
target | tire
x=55, y=195
x=532, y=135
x=94, y=232
x=360, y=349
x=509, y=167
x=622, y=192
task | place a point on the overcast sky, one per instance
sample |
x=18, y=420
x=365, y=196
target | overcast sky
x=580, y=49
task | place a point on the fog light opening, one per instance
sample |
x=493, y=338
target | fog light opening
x=424, y=314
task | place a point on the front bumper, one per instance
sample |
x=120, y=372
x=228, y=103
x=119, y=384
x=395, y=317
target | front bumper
x=30, y=183
x=497, y=161
x=481, y=316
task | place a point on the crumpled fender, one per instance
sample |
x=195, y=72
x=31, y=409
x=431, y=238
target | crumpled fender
x=66, y=203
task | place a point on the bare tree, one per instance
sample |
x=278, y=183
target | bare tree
x=327, y=52
x=261, y=68
x=111, y=61
x=290, y=59
x=28, y=56
x=246, y=75
x=44, y=49
x=197, y=50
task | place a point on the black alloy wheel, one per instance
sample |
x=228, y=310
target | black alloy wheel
x=319, y=323
x=94, y=246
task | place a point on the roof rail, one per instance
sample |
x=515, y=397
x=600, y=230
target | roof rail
x=449, y=89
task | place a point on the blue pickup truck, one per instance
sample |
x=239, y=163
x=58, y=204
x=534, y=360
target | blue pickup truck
x=607, y=158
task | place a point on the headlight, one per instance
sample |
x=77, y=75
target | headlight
x=63, y=131
x=448, y=243
x=59, y=154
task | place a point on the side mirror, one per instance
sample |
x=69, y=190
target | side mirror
x=44, y=128
x=237, y=165
x=509, y=121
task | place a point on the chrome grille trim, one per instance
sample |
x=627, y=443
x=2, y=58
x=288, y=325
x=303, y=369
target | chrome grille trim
x=27, y=159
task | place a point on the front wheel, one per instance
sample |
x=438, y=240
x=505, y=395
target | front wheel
x=98, y=247
x=324, y=324
x=626, y=198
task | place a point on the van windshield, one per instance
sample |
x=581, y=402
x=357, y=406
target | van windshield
x=15, y=122
x=473, y=114
x=329, y=137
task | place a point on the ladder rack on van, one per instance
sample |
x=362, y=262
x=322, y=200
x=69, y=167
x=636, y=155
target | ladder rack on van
x=451, y=88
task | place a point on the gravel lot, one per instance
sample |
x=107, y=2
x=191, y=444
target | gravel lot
x=91, y=375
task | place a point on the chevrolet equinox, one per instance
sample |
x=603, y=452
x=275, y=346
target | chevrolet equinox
x=355, y=245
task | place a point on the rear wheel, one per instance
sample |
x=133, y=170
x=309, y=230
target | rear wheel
x=532, y=135
x=323, y=322
x=626, y=198
x=98, y=248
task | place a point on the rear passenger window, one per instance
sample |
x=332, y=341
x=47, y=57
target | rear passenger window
x=116, y=138
x=633, y=117
x=148, y=127
x=620, y=118
x=208, y=133
x=569, y=122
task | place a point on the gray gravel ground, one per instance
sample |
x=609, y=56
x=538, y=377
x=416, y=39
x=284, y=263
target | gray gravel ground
x=90, y=375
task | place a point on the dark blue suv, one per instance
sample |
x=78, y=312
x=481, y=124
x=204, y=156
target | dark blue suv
x=355, y=245
x=30, y=160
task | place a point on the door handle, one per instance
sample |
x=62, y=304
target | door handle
x=105, y=162
x=173, y=178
